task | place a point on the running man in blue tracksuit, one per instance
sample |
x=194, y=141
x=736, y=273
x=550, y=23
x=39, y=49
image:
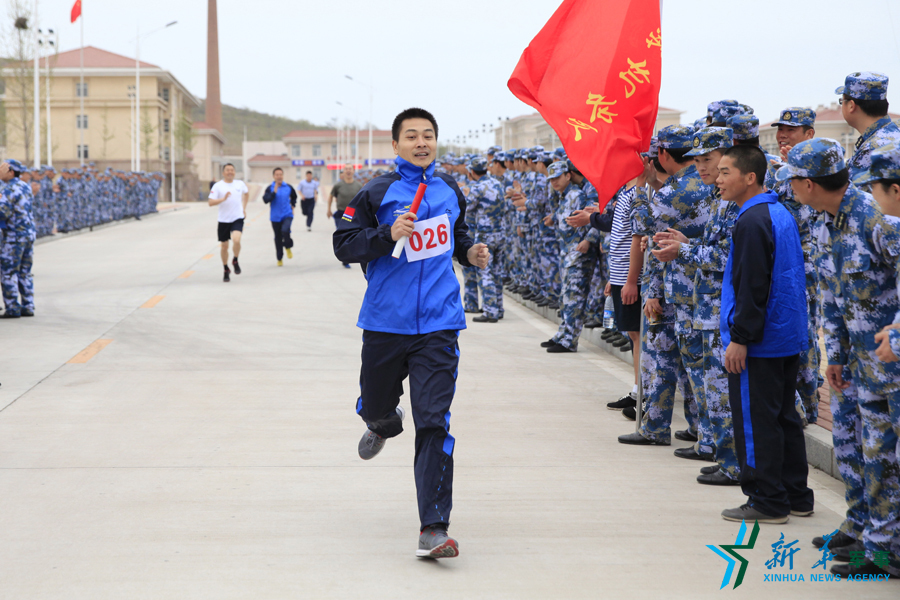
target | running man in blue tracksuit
x=764, y=329
x=283, y=200
x=412, y=312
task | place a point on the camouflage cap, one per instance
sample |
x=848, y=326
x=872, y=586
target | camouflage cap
x=676, y=137
x=818, y=157
x=556, y=169
x=865, y=85
x=16, y=165
x=700, y=124
x=494, y=150
x=653, y=152
x=711, y=138
x=478, y=164
x=559, y=153
x=745, y=127
x=500, y=155
x=748, y=110
x=723, y=113
x=714, y=106
x=795, y=116
x=885, y=165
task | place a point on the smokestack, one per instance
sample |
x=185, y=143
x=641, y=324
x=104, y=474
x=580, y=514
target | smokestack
x=213, y=100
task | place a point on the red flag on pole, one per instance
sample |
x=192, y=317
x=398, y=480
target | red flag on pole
x=593, y=72
x=76, y=10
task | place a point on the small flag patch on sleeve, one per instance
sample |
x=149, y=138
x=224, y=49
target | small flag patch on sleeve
x=348, y=213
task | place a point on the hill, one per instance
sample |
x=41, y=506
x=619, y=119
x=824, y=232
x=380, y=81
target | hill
x=260, y=126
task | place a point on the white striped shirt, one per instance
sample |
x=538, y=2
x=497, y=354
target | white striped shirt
x=620, y=239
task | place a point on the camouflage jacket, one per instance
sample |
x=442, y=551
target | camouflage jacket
x=16, y=208
x=881, y=133
x=858, y=251
x=486, y=201
x=572, y=199
x=709, y=257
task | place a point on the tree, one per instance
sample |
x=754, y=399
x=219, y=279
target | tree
x=184, y=134
x=147, y=130
x=106, y=134
x=19, y=47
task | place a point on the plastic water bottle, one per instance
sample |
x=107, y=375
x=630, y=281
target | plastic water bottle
x=609, y=319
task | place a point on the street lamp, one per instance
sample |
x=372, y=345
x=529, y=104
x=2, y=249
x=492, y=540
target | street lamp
x=131, y=114
x=137, y=86
x=371, y=97
x=51, y=40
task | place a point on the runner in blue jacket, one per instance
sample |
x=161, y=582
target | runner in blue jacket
x=412, y=312
x=283, y=199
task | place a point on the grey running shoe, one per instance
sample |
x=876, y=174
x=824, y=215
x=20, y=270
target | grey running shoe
x=748, y=513
x=435, y=543
x=372, y=443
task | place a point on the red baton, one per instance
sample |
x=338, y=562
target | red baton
x=420, y=193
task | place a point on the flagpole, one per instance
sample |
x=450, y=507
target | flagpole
x=37, y=94
x=81, y=79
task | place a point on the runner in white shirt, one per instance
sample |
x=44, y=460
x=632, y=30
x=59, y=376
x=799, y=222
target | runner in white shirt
x=231, y=196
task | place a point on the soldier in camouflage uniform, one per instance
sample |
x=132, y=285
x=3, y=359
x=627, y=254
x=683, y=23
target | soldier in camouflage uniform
x=673, y=347
x=17, y=252
x=884, y=178
x=709, y=255
x=795, y=125
x=470, y=274
x=858, y=252
x=577, y=263
x=864, y=106
x=488, y=205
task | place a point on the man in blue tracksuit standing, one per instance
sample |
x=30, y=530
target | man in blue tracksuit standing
x=764, y=330
x=283, y=199
x=412, y=312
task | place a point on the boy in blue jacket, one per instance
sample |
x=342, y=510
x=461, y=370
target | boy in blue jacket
x=283, y=199
x=764, y=330
x=412, y=312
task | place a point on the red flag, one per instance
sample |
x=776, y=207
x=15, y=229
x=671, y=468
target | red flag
x=593, y=72
x=76, y=10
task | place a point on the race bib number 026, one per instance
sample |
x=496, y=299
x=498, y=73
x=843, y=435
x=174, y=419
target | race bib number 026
x=430, y=238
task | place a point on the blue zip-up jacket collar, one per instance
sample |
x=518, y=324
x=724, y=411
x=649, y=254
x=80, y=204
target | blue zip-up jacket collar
x=412, y=173
x=764, y=198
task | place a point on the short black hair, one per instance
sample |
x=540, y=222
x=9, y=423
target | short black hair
x=309, y=173
x=229, y=165
x=872, y=108
x=502, y=163
x=479, y=173
x=678, y=154
x=277, y=169
x=808, y=128
x=749, y=142
x=749, y=159
x=412, y=113
x=887, y=183
x=833, y=183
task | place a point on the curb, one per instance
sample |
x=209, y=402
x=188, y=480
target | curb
x=819, y=442
x=60, y=236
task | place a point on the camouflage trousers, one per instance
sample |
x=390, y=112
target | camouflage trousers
x=491, y=278
x=470, y=288
x=865, y=448
x=717, y=406
x=597, y=298
x=576, y=274
x=16, y=281
x=808, y=377
x=663, y=369
x=548, y=263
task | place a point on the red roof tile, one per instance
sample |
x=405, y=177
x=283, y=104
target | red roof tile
x=95, y=58
x=307, y=133
x=269, y=158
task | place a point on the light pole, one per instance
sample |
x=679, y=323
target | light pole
x=131, y=114
x=51, y=39
x=371, y=101
x=137, y=86
x=37, y=93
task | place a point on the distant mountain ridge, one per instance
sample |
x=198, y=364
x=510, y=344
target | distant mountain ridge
x=260, y=126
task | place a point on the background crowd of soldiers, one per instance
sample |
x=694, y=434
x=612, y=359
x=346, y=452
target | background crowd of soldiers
x=40, y=202
x=533, y=206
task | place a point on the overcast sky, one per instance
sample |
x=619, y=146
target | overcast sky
x=289, y=57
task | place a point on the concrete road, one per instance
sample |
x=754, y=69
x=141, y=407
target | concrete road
x=203, y=445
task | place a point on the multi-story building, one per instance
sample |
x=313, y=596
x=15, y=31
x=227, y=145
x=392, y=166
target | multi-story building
x=104, y=132
x=829, y=124
x=530, y=130
x=321, y=151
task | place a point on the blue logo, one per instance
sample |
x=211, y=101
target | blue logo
x=728, y=552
